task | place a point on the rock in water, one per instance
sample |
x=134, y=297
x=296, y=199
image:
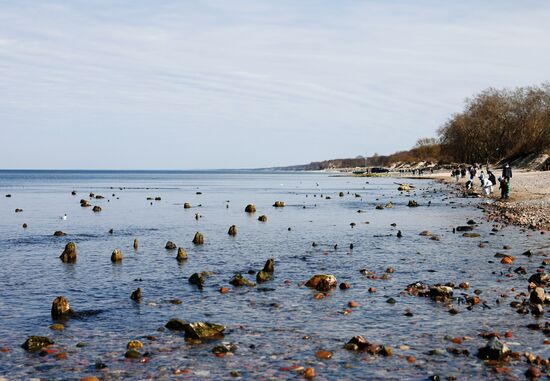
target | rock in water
x=494, y=350
x=96, y=209
x=175, y=325
x=198, y=239
x=116, y=256
x=34, y=343
x=84, y=203
x=61, y=308
x=59, y=233
x=250, y=208
x=239, y=281
x=136, y=295
x=412, y=204
x=69, y=254
x=170, y=245
x=267, y=272
x=203, y=330
x=136, y=244
x=182, y=254
x=262, y=218
x=198, y=279
x=134, y=344
x=441, y=293
x=537, y=296
x=279, y=204
x=232, y=230
x=187, y=205
x=322, y=282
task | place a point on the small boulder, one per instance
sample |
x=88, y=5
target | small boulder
x=494, y=350
x=250, y=208
x=279, y=204
x=322, y=282
x=186, y=205
x=239, y=281
x=69, y=254
x=96, y=209
x=537, y=296
x=441, y=293
x=182, y=254
x=61, y=308
x=198, y=239
x=170, y=246
x=59, y=233
x=116, y=256
x=136, y=295
x=84, y=203
x=35, y=343
x=232, y=230
x=262, y=218
x=136, y=244
x=134, y=344
x=412, y=204
x=203, y=330
x=198, y=279
x=175, y=325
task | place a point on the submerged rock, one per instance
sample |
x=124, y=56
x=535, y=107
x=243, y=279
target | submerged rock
x=322, y=282
x=186, y=205
x=69, y=254
x=224, y=348
x=61, y=308
x=96, y=209
x=198, y=239
x=441, y=293
x=412, y=204
x=279, y=204
x=170, y=245
x=136, y=244
x=34, y=343
x=262, y=218
x=59, y=233
x=539, y=279
x=232, y=230
x=182, y=254
x=84, y=203
x=537, y=296
x=267, y=272
x=203, y=330
x=239, y=281
x=250, y=208
x=116, y=256
x=134, y=344
x=465, y=228
x=494, y=350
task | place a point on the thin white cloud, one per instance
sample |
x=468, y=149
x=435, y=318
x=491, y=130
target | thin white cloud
x=334, y=78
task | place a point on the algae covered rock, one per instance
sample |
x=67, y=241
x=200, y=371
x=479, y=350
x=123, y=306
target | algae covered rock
x=240, y=281
x=116, y=256
x=170, y=245
x=61, y=308
x=279, y=204
x=250, y=208
x=35, y=343
x=232, y=230
x=494, y=350
x=136, y=295
x=198, y=279
x=262, y=218
x=267, y=272
x=69, y=254
x=322, y=282
x=203, y=330
x=198, y=239
x=182, y=254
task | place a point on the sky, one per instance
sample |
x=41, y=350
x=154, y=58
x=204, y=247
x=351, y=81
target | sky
x=247, y=84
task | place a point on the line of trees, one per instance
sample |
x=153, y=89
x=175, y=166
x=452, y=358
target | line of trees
x=499, y=124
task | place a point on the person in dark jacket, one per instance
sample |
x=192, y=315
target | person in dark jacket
x=507, y=172
x=492, y=179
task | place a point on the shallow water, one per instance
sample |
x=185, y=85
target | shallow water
x=268, y=322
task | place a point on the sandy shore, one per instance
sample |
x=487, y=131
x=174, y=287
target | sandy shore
x=529, y=202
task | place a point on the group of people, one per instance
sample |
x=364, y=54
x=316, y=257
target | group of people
x=487, y=180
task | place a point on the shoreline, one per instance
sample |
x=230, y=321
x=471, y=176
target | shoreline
x=528, y=205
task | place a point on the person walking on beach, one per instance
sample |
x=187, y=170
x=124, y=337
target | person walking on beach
x=492, y=179
x=504, y=188
x=507, y=172
x=463, y=172
x=487, y=186
x=482, y=179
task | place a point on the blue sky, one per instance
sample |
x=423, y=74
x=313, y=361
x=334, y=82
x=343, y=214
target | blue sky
x=234, y=84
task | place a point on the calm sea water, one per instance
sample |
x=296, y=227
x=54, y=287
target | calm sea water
x=277, y=325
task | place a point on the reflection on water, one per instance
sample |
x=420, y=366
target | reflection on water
x=277, y=325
